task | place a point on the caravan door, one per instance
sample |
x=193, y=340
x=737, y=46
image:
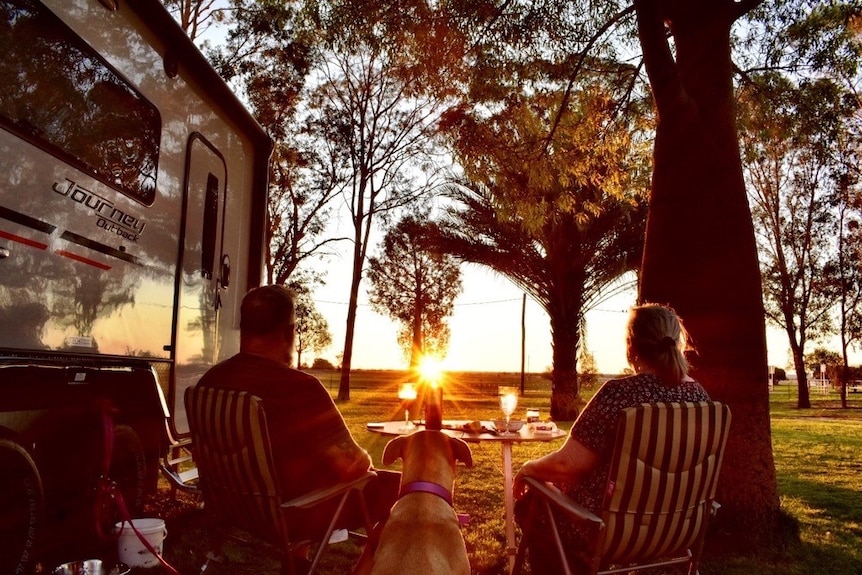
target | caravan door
x=204, y=269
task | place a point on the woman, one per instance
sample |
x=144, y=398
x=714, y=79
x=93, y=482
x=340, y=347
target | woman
x=655, y=343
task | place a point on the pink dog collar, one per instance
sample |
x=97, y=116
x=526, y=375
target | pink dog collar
x=426, y=487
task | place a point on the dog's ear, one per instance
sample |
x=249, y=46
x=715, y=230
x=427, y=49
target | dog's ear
x=462, y=452
x=392, y=451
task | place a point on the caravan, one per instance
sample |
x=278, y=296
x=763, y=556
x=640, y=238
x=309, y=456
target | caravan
x=132, y=216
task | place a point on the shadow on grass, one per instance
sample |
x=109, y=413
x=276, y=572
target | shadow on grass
x=808, y=506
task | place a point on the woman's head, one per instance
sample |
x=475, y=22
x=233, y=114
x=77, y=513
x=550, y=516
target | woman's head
x=656, y=341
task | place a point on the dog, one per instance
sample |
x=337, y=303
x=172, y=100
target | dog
x=422, y=534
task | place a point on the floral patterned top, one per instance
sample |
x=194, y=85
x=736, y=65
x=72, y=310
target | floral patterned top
x=597, y=425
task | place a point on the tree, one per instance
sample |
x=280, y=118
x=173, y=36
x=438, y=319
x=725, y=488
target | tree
x=312, y=330
x=849, y=272
x=823, y=357
x=700, y=237
x=563, y=226
x=373, y=110
x=415, y=284
x=269, y=54
x=699, y=232
x=809, y=54
x=786, y=141
x=195, y=16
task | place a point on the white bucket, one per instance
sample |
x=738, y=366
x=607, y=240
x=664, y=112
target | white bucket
x=131, y=550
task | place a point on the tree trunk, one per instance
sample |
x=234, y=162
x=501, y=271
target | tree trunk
x=344, y=384
x=565, y=403
x=417, y=347
x=700, y=254
x=803, y=400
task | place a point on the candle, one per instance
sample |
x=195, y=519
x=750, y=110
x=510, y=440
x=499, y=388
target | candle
x=434, y=406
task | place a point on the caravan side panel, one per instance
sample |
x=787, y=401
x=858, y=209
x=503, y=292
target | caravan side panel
x=132, y=211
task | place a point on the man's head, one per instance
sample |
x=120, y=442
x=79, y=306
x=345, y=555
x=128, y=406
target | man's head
x=267, y=322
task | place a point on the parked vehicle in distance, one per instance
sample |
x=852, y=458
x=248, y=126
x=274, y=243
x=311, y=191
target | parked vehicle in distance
x=132, y=216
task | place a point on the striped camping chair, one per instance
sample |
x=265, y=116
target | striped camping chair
x=660, y=491
x=238, y=480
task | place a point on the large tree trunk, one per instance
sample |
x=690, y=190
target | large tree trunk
x=700, y=255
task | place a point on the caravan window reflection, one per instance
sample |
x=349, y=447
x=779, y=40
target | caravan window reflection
x=60, y=95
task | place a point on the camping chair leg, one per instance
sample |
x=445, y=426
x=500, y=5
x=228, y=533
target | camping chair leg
x=330, y=528
x=697, y=548
x=558, y=542
x=366, y=516
x=211, y=556
x=366, y=520
x=217, y=534
x=526, y=532
x=520, y=556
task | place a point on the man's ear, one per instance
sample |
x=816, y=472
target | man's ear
x=392, y=451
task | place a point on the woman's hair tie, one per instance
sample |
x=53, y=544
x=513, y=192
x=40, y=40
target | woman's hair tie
x=668, y=341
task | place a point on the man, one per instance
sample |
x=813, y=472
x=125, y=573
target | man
x=311, y=444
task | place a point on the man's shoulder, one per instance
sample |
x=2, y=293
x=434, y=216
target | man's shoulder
x=247, y=371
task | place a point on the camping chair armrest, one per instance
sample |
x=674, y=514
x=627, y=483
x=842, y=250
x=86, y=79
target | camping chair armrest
x=553, y=495
x=320, y=495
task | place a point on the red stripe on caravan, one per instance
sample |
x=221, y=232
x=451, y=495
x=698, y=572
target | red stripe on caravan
x=25, y=241
x=83, y=260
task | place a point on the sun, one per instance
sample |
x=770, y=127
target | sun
x=430, y=369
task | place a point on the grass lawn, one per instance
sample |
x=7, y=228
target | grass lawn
x=817, y=455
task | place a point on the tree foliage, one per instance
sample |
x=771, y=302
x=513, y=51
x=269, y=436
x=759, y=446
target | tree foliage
x=373, y=111
x=416, y=285
x=799, y=95
x=563, y=219
x=196, y=16
x=786, y=135
x=312, y=329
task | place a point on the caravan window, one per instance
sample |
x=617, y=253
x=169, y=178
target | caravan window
x=60, y=95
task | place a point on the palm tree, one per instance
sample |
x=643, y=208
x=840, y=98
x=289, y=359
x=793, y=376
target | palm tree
x=567, y=265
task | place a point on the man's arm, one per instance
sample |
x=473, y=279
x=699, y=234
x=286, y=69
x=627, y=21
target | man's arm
x=346, y=458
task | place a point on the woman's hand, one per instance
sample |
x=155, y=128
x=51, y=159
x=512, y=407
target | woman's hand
x=519, y=486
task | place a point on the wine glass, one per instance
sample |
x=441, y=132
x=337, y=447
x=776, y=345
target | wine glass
x=508, y=402
x=407, y=393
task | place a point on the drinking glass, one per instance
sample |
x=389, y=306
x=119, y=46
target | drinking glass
x=407, y=393
x=508, y=402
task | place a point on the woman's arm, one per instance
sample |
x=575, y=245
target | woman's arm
x=570, y=462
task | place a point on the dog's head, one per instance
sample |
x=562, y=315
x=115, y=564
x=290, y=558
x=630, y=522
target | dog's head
x=424, y=445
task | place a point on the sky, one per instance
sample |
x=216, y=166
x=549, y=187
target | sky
x=485, y=328
x=486, y=325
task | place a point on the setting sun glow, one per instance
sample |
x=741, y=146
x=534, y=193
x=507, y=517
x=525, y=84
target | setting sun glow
x=431, y=369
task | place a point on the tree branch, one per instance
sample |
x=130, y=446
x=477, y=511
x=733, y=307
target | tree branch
x=743, y=7
x=578, y=65
x=660, y=65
